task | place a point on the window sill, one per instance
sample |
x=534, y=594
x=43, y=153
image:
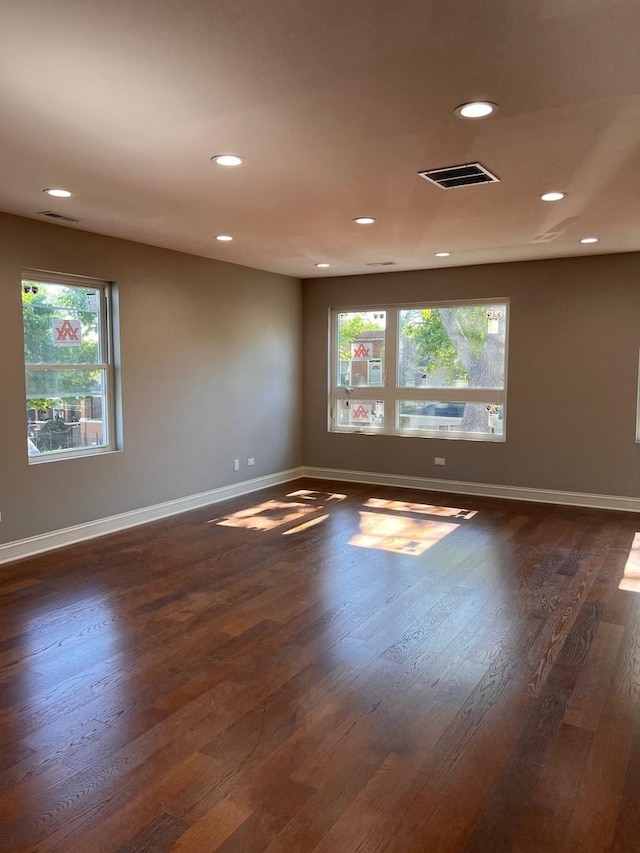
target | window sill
x=44, y=458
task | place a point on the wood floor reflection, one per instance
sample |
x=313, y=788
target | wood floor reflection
x=327, y=667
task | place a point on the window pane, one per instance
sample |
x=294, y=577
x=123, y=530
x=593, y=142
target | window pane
x=360, y=355
x=440, y=416
x=64, y=383
x=452, y=347
x=66, y=409
x=61, y=323
x=360, y=414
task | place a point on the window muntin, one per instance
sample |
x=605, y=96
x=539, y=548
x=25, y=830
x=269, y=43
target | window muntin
x=67, y=366
x=446, y=363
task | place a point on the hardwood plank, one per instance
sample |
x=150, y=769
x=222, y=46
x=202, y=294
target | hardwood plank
x=172, y=785
x=498, y=826
x=208, y=833
x=593, y=821
x=594, y=681
x=157, y=837
x=627, y=830
x=544, y=822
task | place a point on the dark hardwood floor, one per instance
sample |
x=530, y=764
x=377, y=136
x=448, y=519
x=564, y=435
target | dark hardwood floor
x=326, y=667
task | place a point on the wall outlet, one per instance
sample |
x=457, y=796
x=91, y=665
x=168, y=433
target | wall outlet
x=236, y=464
x=251, y=461
x=440, y=460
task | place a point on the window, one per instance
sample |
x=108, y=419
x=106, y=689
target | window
x=360, y=369
x=68, y=369
x=422, y=370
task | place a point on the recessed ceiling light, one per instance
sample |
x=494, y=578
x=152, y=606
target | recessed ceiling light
x=443, y=254
x=589, y=240
x=323, y=266
x=228, y=160
x=58, y=192
x=553, y=196
x=224, y=238
x=476, y=109
x=364, y=220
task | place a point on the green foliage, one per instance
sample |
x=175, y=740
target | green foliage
x=428, y=347
x=58, y=302
x=351, y=328
x=473, y=324
x=54, y=435
x=41, y=403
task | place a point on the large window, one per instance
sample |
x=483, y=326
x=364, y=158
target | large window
x=67, y=352
x=423, y=370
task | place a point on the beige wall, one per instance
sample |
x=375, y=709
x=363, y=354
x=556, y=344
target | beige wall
x=210, y=356
x=573, y=369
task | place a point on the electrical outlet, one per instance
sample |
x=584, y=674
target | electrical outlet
x=236, y=464
x=440, y=460
x=251, y=461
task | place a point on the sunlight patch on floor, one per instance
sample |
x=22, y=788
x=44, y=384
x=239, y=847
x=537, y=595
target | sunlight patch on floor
x=315, y=497
x=631, y=578
x=402, y=527
x=422, y=509
x=268, y=515
x=306, y=525
x=399, y=534
x=271, y=515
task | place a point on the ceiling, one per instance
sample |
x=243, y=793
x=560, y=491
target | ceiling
x=335, y=106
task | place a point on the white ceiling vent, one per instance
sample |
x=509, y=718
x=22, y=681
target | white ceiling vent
x=53, y=215
x=459, y=176
x=382, y=264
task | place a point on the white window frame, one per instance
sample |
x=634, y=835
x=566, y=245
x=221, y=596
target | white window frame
x=391, y=393
x=105, y=289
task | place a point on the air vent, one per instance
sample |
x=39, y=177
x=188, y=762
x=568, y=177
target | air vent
x=459, y=176
x=382, y=264
x=53, y=215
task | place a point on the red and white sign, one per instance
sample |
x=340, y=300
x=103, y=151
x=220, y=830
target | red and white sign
x=361, y=350
x=67, y=333
x=361, y=413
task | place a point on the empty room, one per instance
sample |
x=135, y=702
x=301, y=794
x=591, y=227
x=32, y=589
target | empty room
x=319, y=450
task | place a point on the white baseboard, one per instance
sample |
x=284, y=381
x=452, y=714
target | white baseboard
x=22, y=548
x=489, y=490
